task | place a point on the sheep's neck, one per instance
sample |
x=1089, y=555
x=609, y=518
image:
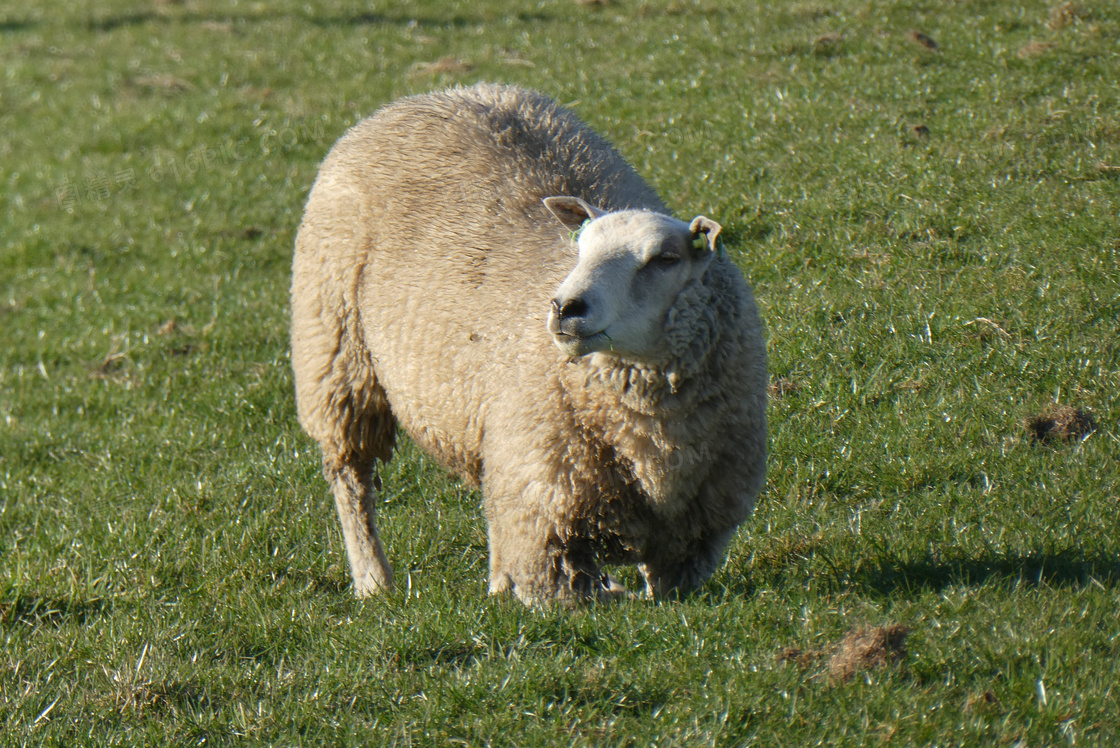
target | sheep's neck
x=649, y=426
x=658, y=417
x=657, y=391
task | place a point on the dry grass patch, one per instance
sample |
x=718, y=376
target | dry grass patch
x=1034, y=49
x=112, y=366
x=449, y=65
x=783, y=386
x=1064, y=15
x=163, y=82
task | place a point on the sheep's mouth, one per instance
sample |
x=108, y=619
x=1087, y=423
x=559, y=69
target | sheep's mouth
x=581, y=345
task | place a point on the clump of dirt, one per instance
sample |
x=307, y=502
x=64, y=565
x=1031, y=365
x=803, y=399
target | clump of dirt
x=803, y=658
x=828, y=45
x=867, y=648
x=862, y=648
x=921, y=39
x=783, y=386
x=985, y=700
x=1062, y=423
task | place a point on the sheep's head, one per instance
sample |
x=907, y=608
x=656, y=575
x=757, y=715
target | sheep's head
x=633, y=264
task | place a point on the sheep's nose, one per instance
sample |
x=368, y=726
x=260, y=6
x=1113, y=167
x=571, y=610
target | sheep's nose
x=576, y=307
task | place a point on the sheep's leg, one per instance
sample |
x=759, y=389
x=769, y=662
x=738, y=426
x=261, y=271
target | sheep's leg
x=354, y=429
x=682, y=555
x=341, y=404
x=675, y=577
x=355, y=493
x=524, y=557
x=580, y=571
x=528, y=559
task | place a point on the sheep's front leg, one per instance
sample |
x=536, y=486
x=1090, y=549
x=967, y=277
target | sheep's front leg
x=534, y=554
x=525, y=554
x=671, y=577
x=355, y=494
x=682, y=554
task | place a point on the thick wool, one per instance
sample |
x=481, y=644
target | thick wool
x=422, y=280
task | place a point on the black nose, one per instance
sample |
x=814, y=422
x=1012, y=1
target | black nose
x=571, y=308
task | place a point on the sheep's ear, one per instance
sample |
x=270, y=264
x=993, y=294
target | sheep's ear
x=571, y=211
x=704, y=232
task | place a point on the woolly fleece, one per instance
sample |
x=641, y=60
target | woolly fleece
x=422, y=280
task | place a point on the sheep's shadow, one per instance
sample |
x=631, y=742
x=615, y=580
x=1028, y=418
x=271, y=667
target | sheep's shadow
x=20, y=24
x=40, y=610
x=111, y=22
x=1069, y=569
x=1066, y=569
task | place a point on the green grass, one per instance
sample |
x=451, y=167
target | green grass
x=171, y=571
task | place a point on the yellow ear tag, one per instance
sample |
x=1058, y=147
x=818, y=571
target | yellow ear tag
x=575, y=234
x=701, y=242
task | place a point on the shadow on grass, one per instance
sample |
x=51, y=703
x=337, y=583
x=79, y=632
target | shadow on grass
x=36, y=610
x=456, y=655
x=112, y=22
x=1062, y=569
x=381, y=19
x=1070, y=569
x=13, y=25
x=312, y=582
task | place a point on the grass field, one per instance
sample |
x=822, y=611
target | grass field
x=926, y=199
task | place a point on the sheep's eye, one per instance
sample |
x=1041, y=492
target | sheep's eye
x=665, y=260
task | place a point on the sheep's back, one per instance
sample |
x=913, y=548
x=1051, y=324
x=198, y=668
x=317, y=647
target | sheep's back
x=454, y=257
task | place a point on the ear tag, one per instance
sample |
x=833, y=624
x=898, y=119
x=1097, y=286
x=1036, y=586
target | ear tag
x=701, y=242
x=575, y=234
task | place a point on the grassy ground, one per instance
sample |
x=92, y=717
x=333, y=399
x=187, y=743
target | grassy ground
x=926, y=198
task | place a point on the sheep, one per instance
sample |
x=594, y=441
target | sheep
x=480, y=268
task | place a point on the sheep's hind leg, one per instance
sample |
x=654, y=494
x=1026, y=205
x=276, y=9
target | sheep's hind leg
x=354, y=485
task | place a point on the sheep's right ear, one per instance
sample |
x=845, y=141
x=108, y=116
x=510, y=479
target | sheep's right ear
x=571, y=211
x=704, y=232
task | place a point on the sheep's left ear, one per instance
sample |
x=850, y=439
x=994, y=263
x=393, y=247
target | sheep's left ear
x=704, y=232
x=572, y=211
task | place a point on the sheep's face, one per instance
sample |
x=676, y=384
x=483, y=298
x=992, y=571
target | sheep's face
x=632, y=266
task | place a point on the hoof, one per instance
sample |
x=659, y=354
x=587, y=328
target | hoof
x=371, y=584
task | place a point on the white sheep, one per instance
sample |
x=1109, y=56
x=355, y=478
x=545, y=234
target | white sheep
x=610, y=405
